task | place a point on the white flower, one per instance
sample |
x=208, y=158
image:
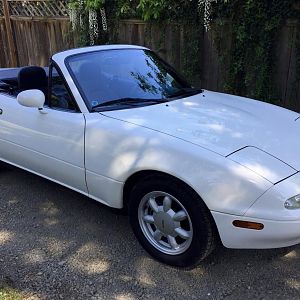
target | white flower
x=206, y=7
x=93, y=26
x=77, y=15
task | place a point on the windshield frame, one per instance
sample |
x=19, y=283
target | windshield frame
x=110, y=108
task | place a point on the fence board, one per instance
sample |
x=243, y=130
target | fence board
x=209, y=78
x=283, y=61
x=37, y=39
x=287, y=86
x=215, y=71
x=4, y=51
x=292, y=85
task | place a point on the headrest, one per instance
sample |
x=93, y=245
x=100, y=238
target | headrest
x=30, y=78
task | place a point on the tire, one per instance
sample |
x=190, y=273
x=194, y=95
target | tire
x=154, y=226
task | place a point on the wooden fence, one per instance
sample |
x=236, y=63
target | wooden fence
x=38, y=29
x=37, y=34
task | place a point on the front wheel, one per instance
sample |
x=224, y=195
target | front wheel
x=171, y=222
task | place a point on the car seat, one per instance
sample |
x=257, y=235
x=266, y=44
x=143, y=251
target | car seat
x=30, y=78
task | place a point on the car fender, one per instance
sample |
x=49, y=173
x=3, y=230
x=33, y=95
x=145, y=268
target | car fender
x=115, y=150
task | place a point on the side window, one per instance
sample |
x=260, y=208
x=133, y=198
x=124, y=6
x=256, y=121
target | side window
x=60, y=97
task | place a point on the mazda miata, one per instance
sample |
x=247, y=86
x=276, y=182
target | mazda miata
x=192, y=167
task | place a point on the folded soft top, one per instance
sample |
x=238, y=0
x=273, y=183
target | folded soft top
x=13, y=73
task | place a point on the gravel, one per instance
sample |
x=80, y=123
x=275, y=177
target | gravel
x=58, y=244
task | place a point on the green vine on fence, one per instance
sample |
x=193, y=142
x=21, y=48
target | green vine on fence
x=84, y=13
x=167, y=9
x=255, y=29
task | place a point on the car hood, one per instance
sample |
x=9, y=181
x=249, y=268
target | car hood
x=223, y=123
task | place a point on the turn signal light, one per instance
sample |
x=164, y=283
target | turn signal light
x=248, y=225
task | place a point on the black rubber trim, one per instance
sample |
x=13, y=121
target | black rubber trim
x=51, y=65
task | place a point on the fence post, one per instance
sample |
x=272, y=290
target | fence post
x=10, y=38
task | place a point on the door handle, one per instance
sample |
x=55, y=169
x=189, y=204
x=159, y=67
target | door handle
x=1, y=111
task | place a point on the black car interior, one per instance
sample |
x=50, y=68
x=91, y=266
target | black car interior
x=30, y=78
x=14, y=81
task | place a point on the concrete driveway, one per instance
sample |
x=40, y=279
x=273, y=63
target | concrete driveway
x=55, y=243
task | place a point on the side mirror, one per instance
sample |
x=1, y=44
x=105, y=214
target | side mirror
x=32, y=98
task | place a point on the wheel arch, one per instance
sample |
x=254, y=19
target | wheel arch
x=134, y=178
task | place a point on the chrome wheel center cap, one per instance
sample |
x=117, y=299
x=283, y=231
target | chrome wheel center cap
x=163, y=221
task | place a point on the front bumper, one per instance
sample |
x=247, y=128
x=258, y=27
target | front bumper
x=276, y=234
x=281, y=226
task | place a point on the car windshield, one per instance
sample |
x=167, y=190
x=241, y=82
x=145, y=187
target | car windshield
x=127, y=77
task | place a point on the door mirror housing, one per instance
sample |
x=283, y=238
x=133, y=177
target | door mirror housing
x=32, y=98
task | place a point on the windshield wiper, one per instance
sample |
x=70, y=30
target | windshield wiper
x=129, y=101
x=137, y=101
x=185, y=92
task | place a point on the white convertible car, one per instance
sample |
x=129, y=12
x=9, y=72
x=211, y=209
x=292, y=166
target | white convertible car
x=117, y=124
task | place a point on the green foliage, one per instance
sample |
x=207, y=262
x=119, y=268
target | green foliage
x=94, y=4
x=255, y=28
x=152, y=9
x=7, y=293
x=157, y=9
x=87, y=4
x=126, y=8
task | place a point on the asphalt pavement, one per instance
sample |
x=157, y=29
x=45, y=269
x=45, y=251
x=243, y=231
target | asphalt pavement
x=58, y=244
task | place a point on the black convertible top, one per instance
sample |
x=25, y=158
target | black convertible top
x=13, y=73
x=9, y=73
x=9, y=80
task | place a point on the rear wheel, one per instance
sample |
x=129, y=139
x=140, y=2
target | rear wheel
x=171, y=222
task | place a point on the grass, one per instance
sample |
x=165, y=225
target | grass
x=7, y=293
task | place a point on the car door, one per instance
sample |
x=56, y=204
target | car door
x=51, y=143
